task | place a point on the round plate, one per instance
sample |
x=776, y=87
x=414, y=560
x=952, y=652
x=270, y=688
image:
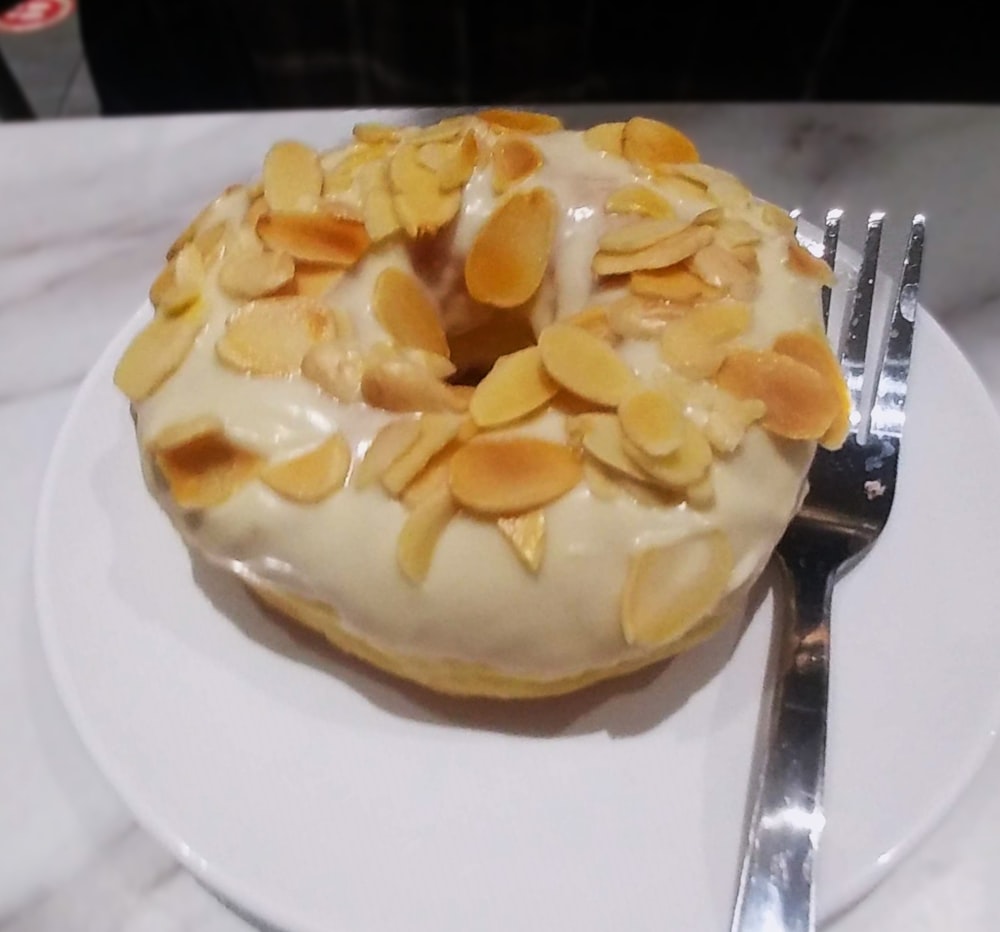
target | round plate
x=322, y=796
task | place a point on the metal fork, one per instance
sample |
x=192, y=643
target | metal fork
x=850, y=495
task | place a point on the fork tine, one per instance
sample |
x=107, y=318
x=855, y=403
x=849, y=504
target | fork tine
x=856, y=346
x=888, y=415
x=830, y=239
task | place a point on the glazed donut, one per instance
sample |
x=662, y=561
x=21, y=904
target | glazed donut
x=498, y=407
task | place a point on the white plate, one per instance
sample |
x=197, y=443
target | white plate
x=321, y=796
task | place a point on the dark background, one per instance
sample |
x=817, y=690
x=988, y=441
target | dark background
x=155, y=56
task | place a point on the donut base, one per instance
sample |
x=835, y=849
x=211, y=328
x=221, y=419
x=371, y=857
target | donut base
x=454, y=677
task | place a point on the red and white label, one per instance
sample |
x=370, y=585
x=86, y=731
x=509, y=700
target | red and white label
x=32, y=15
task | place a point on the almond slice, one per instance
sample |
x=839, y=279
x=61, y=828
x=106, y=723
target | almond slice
x=594, y=320
x=803, y=262
x=650, y=143
x=407, y=312
x=179, y=285
x=400, y=384
x=585, y=365
x=695, y=345
x=201, y=465
x=377, y=210
x=673, y=284
x=813, y=349
x=516, y=386
x=665, y=253
x=314, y=280
x=376, y=132
x=602, y=439
x=605, y=137
x=341, y=167
x=640, y=235
x=312, y=476
x=733, y=232
x=639, y=199
x=637, y=318
x=685, y=466
x=270, y=336
x=513, y=475
x=721, y=269
x=777, y=218
x=387, y=446
x=336, y=368
x=510, y=253
x=524, y=121
x=156, y=352
x=723, y=187
x=248, y=271
x=669, y=589
x=456, y=170
x=526, y=534
x=420, y=204
x=445, y=130
x=293, y=179
x=513, y=158
x=317, y=237
x=436, y=431
x=684, y=195
x=420, y=533
x=653, y=421
x=801, y=403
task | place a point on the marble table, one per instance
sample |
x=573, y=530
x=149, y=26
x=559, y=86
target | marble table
x=87, y=210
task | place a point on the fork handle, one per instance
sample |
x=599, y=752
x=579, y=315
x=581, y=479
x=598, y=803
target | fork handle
x=776, y=883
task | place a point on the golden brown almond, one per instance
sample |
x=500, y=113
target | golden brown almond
x=336, y=367
x=419, y=202
x=640, y=235
x=584, y=364
x=639, y=199
x=650, y=143
x=516, y=386
x=400, y=384
x=512, y=475
x=526, y=535
x=605, y=137
x=513, y=158
x=661, y=255
x=803, y=262
x=813, y=349
x=156, y=352
x=721, y=269
x=523, y=121
x=420, y=533
x=436, y=431
x=391, y=442
x=293, y=179
x=316, y=237
x=409, y=315
x=673, y=284
x=312, y=476
x=511, y=251
x=685, y=466
x=653, y=421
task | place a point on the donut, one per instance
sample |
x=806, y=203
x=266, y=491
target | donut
x=498, y=407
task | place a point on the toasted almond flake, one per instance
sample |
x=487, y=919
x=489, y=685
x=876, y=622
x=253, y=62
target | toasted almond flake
x=777, y=218
x=665, y=253
x=747, y=257
x=270, y=336
x=457, y=169
x=650, y=143
x=801, y=404
x=316, y=237
x=341, y=166
x=813, y=349
x=602, y=439
x=685, y=466
x=210, y=242
x=720, y=268
x=570, y=405
x=599, y=482
x=311, y=476
x=220, y=206
x=436, y=432
x=673, y=284
x=376, y=133
x=733, y=232
x=314, y=280
x=653, y=421
x=420, y=204
x=336, y=368
x=684, y=195
x=638, y=318
x=387, y=446
x=594, y=320
x=435, y=155
x=445, y=130
x=400, y=384
x=407, y=312
x=526, y=534
x=725, y=188
x=639, y=199
x=511, y=251
x=201, y=465
x=441, y=367
x=640, y=235
x=377, y=211
x=516, y=386
x=605, y=137
x=670, y=589
x=524, y=121
x=695, y=345
x=256, y=210
x=728, y=420
x=293, y=179
x=249, y=271
x=513, y=158
x=513, y=475
x=156, y=352
x=585, y=365
x=179, y=285
x=803, y=262
x=420, y=533
x=432, y=478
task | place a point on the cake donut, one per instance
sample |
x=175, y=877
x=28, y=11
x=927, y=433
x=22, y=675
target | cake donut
x=498, y=407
